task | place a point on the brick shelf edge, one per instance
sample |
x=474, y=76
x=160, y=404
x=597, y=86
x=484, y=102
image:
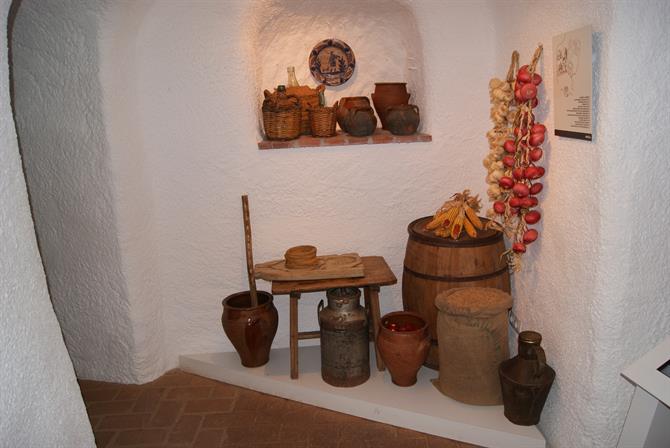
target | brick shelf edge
x=341, y=139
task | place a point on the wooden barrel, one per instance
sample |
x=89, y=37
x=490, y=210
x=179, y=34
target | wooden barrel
x=434, y=264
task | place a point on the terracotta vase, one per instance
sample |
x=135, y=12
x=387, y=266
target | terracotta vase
x=345, y=104
x=388, y=94
x=402, y=119
x=403, y=343
x=250, y=329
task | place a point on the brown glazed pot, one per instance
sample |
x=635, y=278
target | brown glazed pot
x=402, y=119
x=250, y=329
x=388, y=94
x=343, y=106
x=360, y=121
x=403, y=351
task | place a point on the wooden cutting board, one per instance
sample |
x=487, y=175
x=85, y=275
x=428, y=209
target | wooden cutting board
x=329, y=266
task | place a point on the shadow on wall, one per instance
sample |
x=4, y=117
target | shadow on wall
x=57, y=105
x=383, y=36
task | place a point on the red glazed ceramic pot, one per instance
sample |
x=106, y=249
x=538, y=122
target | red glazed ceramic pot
x=250, y=329
x=403, y=343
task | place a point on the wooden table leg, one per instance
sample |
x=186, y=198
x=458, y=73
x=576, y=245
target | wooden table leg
x=293, y=329
x=368, y=313
x=372, y=292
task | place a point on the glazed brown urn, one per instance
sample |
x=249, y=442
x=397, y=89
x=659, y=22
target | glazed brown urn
x=403, y=343
x=250, y=329
x=388, y=94
x=345, y=104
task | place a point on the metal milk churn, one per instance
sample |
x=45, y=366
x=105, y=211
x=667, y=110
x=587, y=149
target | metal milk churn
x=345, y=349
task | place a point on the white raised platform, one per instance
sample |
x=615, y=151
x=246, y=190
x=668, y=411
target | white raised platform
x=420, y=407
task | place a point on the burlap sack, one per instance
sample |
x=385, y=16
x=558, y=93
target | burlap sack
x=472, y=338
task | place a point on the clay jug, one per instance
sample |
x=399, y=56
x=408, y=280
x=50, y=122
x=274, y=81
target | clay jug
x=345, y=104
x=250, y=329
x=402, y=119
x=360, y=121
x=403, y=343
x=388, y=94
x=526, y=380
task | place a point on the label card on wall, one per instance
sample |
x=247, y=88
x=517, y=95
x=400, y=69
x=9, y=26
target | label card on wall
x=573, y=84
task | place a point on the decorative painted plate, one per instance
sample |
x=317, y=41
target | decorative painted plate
x=332, y=62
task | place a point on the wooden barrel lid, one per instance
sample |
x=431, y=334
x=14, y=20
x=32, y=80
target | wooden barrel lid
x=417, y=231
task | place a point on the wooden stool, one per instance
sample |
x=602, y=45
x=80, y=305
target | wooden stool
x=377, y=274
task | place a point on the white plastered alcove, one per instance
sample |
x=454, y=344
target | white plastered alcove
x=138, y=124
x=383, y=35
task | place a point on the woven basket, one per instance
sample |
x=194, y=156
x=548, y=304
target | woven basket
x=322, y=121
x=282, y=124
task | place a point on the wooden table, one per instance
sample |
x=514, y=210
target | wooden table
x=377, y=274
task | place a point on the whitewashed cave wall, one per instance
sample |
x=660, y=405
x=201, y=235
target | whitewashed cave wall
x=40, y=401
x=157, y=138
x=596, y=281
x=179, y=85
x=58, y=101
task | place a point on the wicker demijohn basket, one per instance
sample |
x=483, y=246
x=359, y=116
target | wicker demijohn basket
x=322, y=121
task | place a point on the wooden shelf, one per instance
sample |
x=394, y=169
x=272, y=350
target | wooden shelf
x=341, y=139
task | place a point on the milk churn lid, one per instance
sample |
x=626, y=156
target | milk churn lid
x=473, y=301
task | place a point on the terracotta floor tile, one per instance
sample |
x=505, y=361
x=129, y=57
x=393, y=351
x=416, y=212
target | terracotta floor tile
x=90, y=385
x=103, y=438
x=253, y=435
x=209, y=405
x=188, y=393
x=176, y=378
x=226, y=420
x=209, y=438
x=166, y=414
x=129, y=392
x=109, y=407
x=123, y=421
x=148, y=400
x=225, y=391
x=185, y=429
x=183, y=410
x=105, y=394
x=140, y=437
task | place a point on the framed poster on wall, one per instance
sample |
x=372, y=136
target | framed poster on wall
x=573, y=84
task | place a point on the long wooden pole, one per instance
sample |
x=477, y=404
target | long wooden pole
x=250, y=256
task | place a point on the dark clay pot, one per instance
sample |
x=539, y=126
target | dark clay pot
x=360, y=121
x=388, y=94
x=403, y=351
x=345, y=104
x=402, y=119
x=250, y=329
